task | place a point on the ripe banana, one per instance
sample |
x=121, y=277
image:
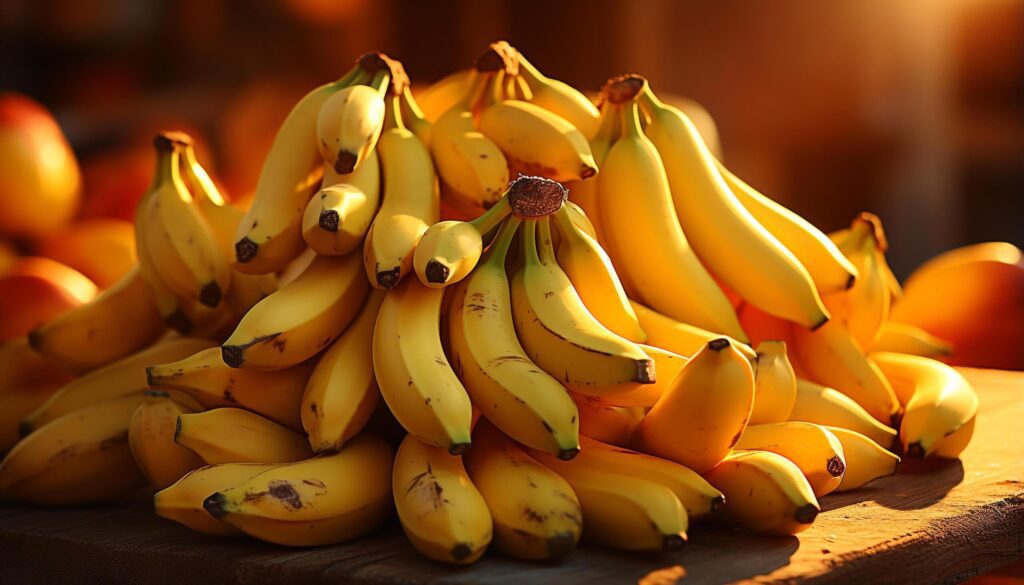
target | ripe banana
x=681, y=338
x=774, y=384
x=312, y=502
x=21, y=366
x=151, y=439
x=78, y=458
x=815, y=450
x=449, y=250
x=580, y=219
x=615, y=425
x=666, y=363
x=700, y=417
x=414, y=376
x=733, y=244
x=414, y=117
x=764, y=492
x=18, y=403
x=865, y=460
x=439, y=97
x=349, y=123
x=338, y=216
x=939, y=405
x=865, y=306
x=233, y=435
x=183, y=501
x=442, y=512
x=505, y=384
x=535, y=512
x=585, y=192
x=905, y=338
x=342, y=393
x=560, y=98
x=303, y=317
x=207, y=379
x=826, y=406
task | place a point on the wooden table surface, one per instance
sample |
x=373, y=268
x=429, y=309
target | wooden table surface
x=934, y=522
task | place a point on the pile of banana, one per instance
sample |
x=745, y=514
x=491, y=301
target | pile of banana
x=608, y=336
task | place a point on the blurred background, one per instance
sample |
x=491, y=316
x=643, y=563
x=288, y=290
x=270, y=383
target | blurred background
x=913, y=109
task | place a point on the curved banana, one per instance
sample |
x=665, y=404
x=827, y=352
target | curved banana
x=303, y=317
x=18, y=403
x=342, y=393
x=312, y=502
x=78, y=458
x=774, y=384
x=151, y=439
x=349, y=123
x=233, y=435
x=865, y=306
x=666, y=363
x=535, y=512
x=182, y=502
x=505, y=384
x=207, y=379
x=442, y=512
x=445, y=93
x=905, y=338
x=580, y=219
x=865, y=460
x=684, y=339
x=815, y=450
x=734, y=245
x=560, y=98
x=939, y=405
x=121, y=378
x=826, y=406
x=414, y=117
x=830, y=270
x=615, y=425
x=701, y=416
x=449, y=250
x=21, y=366
x=410, y=205
x=764, y=492
x=585, y=192
x=407, y=348
x=338, y=216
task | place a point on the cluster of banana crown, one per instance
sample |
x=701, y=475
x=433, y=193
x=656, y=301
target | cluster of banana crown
x=609, y=334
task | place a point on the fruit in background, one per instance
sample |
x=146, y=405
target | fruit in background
x=37, y=289
x=972, y=297
x=39, y=176
x=101, y=249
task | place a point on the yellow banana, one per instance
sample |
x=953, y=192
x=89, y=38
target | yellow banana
x=207, y=379
x=865, y=306
x=615, y=425
x=18, y=403
x=182, y=502
x=449, y=250
x=814, y=449
x=939, y=405
x=442, y=512
x=233, y=435
x=865, y=460
x=905, y=338
x=349, y=123
x=666, y=363
x=414, y=117
x=414, y=376
x=121, y=378
x=439, y=97
x=21, y=366
x=699, y=418
x=764, y=492
x=342, y=393
x=585, y=192
x=151, y=439
x=504, y=383
x=535, y=512
x=78, y=458
x=734, y=245
x=560, y=98
x=303, y=317
x=338, y=216
x=312, y=502
x=826, y=406
x=684, y=339
x=774, y=384
x=580, y=219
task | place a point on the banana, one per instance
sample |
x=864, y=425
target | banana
x=121, y=378
x=826, y=406
x=18, y=403
x=312, y=502
x=182, y=502
x=764, y=492
x=830, y=270
x=939, y=405
x=342, y=393
x=645, y=241
x=21, y=366
x=117, y=323
x=699, y=498
x=510, y=389
x=207, y=379
x=774, y=384
x=616, y=425
x=580, y=219
x=905, y=338
x=702, y=414
x=585, y=192
x=442, y=512
x=349, y=123
x=270, y=235
x=303, y=317
x=557, y=330
x=535, y=513
x=78, y=458
x=414, y=117
x=410, y=205
x=733, y=244
x=449, y=250
x=865, y=460
x=338, y=216
x=623, y=511
x=560, y=98
x=832, y=357
x=865, y=306
x=814, y=449
x=666, y=363
x=414, y=376
x=151, y=439
x=445, y=93
x=681, y=338
x=233, y=435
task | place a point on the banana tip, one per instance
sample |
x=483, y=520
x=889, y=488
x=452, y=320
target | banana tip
x=179, y=322
x=35, y=339
x=915, y=450
x=210, y=295
x=245, y=249
x=461, y=551
x=718, y=344
x=345, y=163
x=561, y=545
x=457, y=449
x=436, y=272
x=568, y=454
x=388, y=279
x=233, y=355
x=673, y=542
x=645, y=373
x=835, y=466
x=149, y=376
x=329, y=220
x=717, y=503
x=214, y=505
x=806, y=514
x=820, y=324
x=852, y=280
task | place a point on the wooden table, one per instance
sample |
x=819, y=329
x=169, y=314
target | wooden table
x=939, y=522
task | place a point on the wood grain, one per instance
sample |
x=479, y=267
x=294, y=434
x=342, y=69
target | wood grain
x=938, y=522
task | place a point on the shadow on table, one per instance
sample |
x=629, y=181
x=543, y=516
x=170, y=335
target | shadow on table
x=918, y=484
x=713, y=558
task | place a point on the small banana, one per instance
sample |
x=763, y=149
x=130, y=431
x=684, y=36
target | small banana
x=666, y=363
x=865, y=460
x=865, y=306
x=338, y=216
x=684, y=339
x=764, y=492
x=560, y=98
x=615, y=425
x=905, y=338
x=151, y=439
x=349, y=123
x=774, y=384
x=814, y=449
x=442, y=512
x=233, y=435
x=312, y=502
x=449, y=250
x=182, y=502
x=826, y=406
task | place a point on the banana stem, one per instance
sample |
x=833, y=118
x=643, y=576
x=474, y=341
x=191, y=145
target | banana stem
x=498, y=251
x=546, y=245
x=492, y=217
x=392, y=113
x=530, y=242
x=353, y=77
x=380, y=81
x=565, y=225
x=410, y=106
x=197, y=174
x=531, y=73
x=631, y=127
x=476, y=90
